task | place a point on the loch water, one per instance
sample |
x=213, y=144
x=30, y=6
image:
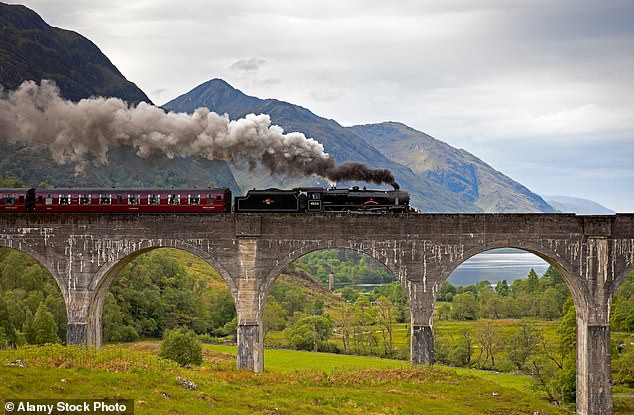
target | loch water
x=497, y=265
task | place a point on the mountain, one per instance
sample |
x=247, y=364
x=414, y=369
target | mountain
x=567, y=204
x=439, y=177
x=30, y=49
x=455, y=169
x=342, y=143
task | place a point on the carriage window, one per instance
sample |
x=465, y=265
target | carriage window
x=105, y=199
x=153, y=199
x=134, y=199
x=210, y=199
x=8, y=199
x=193, y=199
x=173, y=199
x=21, y=199
x=119, y=199
x=49, y=199
x=64, y=199
x=218, y=198
x=84, y=199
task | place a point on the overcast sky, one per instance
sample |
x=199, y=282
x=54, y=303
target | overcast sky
x=542, y=90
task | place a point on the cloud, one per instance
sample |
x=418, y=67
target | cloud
x=248, y=65
x=507, y=80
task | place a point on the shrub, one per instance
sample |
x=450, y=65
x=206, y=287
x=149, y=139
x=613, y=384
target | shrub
x=182, y=346
x=125, y=334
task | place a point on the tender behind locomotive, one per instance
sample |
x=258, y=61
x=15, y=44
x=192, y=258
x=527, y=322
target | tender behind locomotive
x=315, y=199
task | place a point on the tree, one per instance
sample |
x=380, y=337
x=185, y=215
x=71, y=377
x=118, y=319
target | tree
x=386, y=317
x=502, y=288
x=6, y=325
x=274, y=316
x=221, y=308
x=447, y=292
x=310, y=333
x=488, y=336
x=532, y=281
x=44, y=326
x=27, y=327
x=622, y=311
x=343, y=324
x=181, y=345
x=567, y=330
x=549, y=304
x=465, y=307
x=364, y=316
x=522, y=344
x=461, y=352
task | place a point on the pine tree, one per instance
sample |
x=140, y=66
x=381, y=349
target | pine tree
x=27, y=326
x=44, y=326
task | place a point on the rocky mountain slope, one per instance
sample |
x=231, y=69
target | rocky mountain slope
x=30, y=49
x=455, y=169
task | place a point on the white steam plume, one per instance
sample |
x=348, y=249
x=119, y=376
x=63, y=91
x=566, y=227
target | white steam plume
x=73, y=131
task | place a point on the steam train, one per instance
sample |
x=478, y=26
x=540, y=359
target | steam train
x=193, y=200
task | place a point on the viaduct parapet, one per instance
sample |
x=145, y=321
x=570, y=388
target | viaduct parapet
x=85, y=252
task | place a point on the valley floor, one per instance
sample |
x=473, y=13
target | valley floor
x=293, y=383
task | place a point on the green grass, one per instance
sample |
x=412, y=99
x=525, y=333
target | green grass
x=293, y=383
x=285, y=361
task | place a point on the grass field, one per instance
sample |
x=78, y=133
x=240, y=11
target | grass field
x=293, y=383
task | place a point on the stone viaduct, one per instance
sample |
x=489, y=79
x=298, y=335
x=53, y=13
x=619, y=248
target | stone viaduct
x=84, y=253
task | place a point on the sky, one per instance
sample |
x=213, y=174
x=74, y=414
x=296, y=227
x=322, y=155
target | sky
x=541, y=90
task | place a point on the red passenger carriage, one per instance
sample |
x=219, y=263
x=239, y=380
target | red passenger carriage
x=116, y=200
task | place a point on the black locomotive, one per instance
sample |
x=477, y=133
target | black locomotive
x=316, y=199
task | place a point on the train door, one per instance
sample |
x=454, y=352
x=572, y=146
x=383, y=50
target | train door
x=30, y=200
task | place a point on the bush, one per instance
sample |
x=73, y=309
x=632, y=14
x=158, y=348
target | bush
x=209, y=339
x=181, y=345
x=125, y=334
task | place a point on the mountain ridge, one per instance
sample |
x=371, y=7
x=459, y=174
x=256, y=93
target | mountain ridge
x=580, y=206
x=454, y=181
x=341, y=143
x=456, y=169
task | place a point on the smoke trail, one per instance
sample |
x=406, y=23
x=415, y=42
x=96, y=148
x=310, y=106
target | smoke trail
x=73, y=131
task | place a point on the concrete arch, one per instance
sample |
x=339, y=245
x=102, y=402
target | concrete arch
x=106, y=274
x=265, y=288
x=580, y=294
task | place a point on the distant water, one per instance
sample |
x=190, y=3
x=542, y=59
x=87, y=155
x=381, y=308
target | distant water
x=497, y=265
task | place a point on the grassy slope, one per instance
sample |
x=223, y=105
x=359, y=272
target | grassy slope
x=294, y=383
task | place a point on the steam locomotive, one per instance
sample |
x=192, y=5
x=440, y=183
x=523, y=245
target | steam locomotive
x=193, y=200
